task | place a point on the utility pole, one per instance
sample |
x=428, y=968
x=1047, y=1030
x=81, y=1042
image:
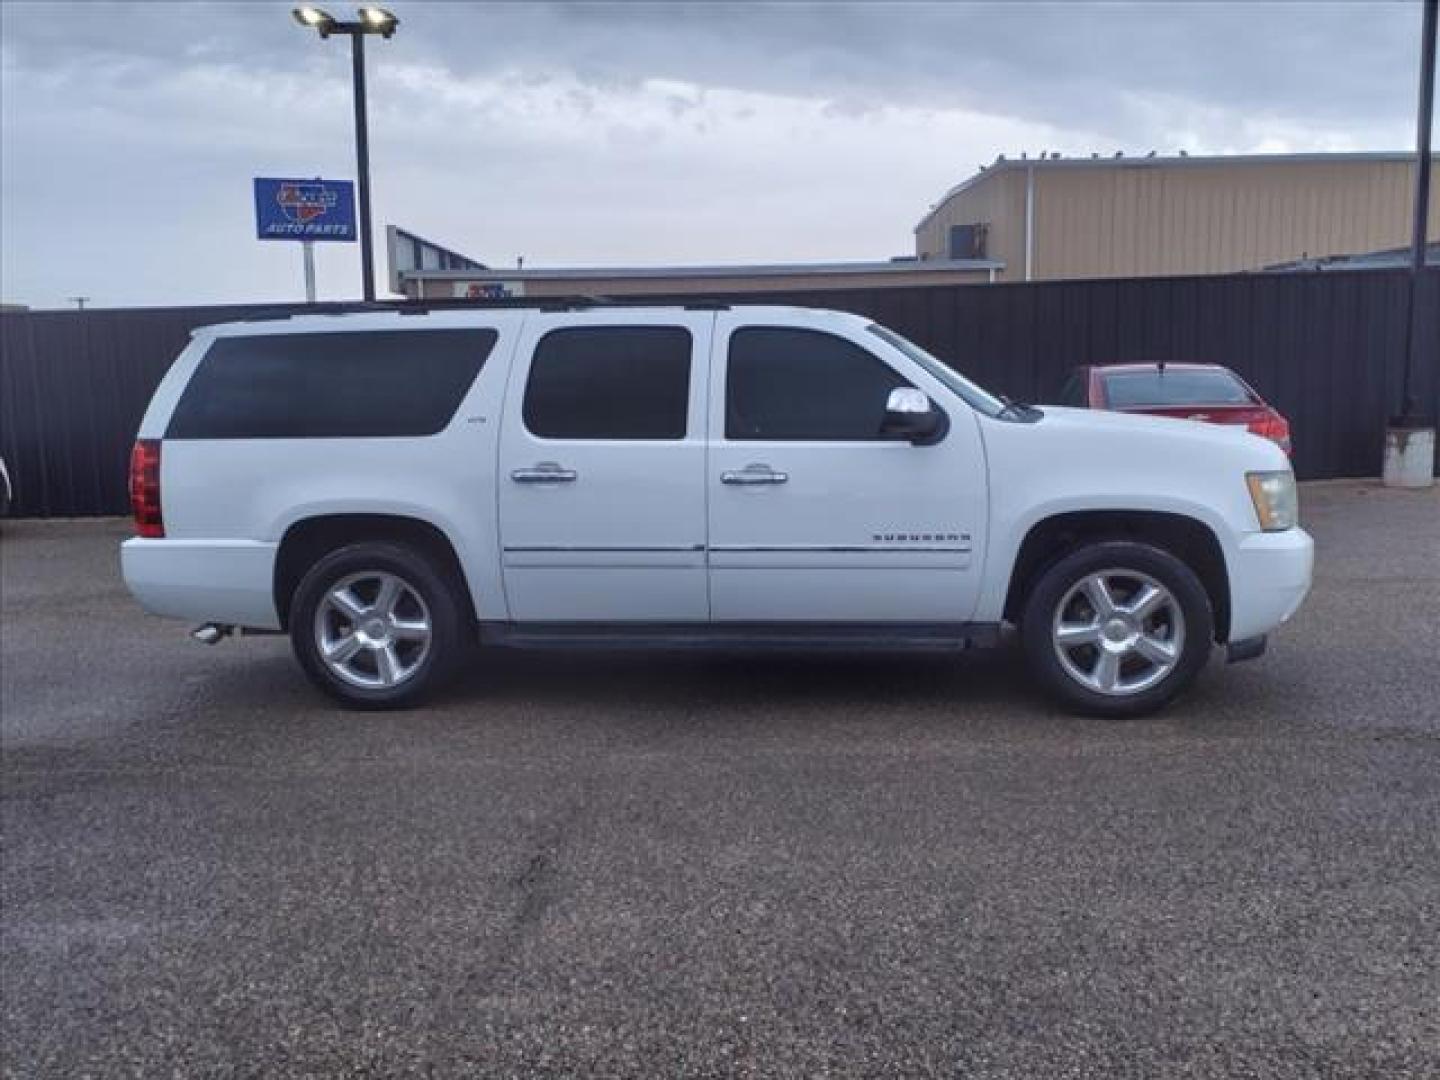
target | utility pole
x=1410, y=437
x=1425, y=113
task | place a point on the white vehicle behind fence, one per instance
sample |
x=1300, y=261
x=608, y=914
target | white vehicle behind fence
x=392, y=488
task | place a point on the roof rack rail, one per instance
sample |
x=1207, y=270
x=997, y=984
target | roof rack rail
x=574, y=303
x=403, y=306
x=278, y=313
x=266, y=316
x=329, y=307
x=580, y=303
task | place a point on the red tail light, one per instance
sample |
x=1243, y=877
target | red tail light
x=1275, y=428
x=145, y=488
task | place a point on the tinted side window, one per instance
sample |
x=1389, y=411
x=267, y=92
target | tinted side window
x=610, y=382
x=791, y=384
x=358, y=384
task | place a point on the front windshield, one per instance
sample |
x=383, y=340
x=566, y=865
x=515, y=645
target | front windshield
x=973, y=395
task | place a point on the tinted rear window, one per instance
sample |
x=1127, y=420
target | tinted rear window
x=1142, y=389
x=358, y=384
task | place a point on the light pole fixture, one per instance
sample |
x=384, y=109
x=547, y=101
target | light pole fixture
x=372, y=20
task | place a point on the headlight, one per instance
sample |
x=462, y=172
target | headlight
x=1276, y=503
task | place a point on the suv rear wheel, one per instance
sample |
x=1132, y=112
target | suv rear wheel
x=376, y=625
x=1117, y=628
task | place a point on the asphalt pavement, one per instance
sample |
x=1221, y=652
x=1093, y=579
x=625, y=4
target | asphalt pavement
x=721, y=865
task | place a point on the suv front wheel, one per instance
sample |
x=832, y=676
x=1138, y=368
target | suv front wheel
x=1117, y=628
x=376, y=625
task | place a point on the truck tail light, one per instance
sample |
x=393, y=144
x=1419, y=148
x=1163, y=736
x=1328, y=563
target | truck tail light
x=1275, y=428
x=145, y=488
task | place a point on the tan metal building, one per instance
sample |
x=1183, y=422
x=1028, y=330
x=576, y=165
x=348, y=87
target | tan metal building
x=423, y=270
x=1054, y=217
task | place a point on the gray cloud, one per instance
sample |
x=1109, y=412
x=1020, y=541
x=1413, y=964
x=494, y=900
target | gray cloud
x=634, y=131
x=1055, y=63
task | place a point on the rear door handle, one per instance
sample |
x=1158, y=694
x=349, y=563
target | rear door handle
x=547, y=472
x=754, y=474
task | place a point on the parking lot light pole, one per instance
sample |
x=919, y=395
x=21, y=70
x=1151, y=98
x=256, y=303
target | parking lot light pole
x=372, y=20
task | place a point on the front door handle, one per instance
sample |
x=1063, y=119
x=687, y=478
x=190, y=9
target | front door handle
x=754, y=474
x=547, y=472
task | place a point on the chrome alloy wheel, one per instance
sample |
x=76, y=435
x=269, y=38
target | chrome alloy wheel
x=1118, y=632
x=373, y=630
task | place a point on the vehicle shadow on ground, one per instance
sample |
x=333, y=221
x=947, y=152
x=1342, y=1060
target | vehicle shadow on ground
x=736, y=678
x=640, y=692
x=623, y=679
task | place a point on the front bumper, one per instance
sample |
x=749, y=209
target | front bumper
x=1270, y=576
x=223, y=581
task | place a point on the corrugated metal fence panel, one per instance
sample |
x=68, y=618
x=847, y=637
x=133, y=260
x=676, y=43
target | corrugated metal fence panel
x=73, y=387
x=1324, y=348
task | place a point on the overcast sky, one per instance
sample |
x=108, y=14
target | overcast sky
x=633, y=133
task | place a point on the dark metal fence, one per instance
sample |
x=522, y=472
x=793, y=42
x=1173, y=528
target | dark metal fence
x=1324, y=348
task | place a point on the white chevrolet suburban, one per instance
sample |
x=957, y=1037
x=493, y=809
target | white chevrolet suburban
x=392, y=487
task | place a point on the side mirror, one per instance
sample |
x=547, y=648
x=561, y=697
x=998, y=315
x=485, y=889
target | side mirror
x=910, y=415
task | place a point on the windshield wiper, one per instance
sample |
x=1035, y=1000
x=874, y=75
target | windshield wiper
x=1019, y=410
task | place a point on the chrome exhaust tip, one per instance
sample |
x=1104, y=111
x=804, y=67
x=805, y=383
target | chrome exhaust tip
x=211, y=633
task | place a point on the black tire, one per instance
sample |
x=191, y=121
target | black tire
x=1057, y=585
x=429, y=667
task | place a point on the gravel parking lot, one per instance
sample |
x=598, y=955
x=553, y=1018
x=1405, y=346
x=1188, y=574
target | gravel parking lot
x=638, y=865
